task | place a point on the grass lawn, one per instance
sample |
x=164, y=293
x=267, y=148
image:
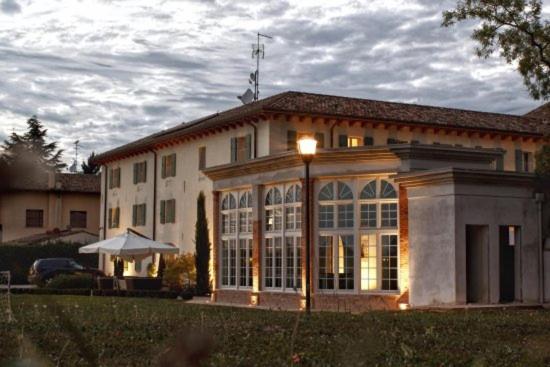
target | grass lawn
x=80, y=331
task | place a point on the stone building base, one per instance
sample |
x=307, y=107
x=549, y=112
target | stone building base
x=320, y=302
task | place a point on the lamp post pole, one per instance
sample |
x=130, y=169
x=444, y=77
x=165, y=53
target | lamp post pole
x=308, y=240
x=307, y=147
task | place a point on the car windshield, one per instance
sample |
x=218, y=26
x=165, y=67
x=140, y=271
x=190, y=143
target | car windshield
x=75, y=265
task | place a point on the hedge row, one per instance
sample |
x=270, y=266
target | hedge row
x=105, y=292
x=19, y=258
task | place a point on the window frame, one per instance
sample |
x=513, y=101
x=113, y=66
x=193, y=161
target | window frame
x=78, y=213
x=284, y=233
x=356, y=184
x=237, y=236
x=39, y=218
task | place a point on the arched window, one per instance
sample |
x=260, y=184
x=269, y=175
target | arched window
x=369, y=191
x=327, y=192
x=282, y=243
x=293, y=194
x=344, y=192
x=387, y=191
x=246, y=200
x=236, y=240
x=273, y=197
x=342, y=206
x=229, y=202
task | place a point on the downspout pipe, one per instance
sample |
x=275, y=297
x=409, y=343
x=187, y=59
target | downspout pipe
x=539, y=199
x=106, y=190
x=154, y=195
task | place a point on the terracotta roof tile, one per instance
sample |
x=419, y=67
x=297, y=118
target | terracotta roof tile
x=345, y=108
x=64, y=182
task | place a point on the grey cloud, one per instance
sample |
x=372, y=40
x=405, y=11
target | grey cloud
x=109, y=83
x=10, y=6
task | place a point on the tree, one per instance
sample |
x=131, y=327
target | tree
x=202, y=248
x=543, y=163
x=515, y=28
x=30, y=151
x=90, y=167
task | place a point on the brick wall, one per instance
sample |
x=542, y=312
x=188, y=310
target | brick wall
x=403, y=242
x=233, y=296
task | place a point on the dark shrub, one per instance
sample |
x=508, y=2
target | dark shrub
x=76, y=281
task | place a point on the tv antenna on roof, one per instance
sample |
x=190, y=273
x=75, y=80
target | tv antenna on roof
x=74, y=167
x=258, y=50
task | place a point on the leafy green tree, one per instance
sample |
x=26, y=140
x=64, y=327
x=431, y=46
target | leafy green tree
x=90, y=167
x=516, y=29
x=202, y=248
x=31, y=151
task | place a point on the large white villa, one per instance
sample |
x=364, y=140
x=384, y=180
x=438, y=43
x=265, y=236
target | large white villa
x=411, y=205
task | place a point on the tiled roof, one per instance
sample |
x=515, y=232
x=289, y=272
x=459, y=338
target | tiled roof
x=63, y=182
x=342, y=108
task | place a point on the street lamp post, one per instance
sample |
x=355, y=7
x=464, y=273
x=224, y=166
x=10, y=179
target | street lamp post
x=307, y=147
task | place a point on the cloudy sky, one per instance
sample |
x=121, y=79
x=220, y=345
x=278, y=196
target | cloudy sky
x=108, y=72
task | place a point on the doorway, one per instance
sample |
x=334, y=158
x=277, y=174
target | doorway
x=477, y=264
x=509, y=238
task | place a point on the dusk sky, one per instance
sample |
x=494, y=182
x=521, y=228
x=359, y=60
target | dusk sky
x=109, y=72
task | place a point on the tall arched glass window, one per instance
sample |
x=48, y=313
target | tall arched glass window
x=282, y=237
x=378, y=212
x=236, y=240
x=337, y=240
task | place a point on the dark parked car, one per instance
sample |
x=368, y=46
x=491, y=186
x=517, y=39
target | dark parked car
x=43, y=270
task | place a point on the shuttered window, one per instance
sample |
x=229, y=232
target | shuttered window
x=291, y=140
x=114, y=216
x=368, y=140
x=114, y=178
x=202, y=158
x=168, y=211
x=140, y=172
x=168, y=166
x=320, y=137
x=342, y=141
x=138, y=215
x=241, y=148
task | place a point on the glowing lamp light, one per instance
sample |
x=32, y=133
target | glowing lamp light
x=404, y=306
x=307, y=146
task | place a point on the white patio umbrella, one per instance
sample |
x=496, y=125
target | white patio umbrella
x=129, y=246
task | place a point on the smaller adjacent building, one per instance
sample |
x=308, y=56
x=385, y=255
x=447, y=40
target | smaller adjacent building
x=50, y=207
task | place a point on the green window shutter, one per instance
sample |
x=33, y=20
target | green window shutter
x=118, y=177
x=134, y=215
x=249, y=146
x=368, y=140
x=173, y=167
x=145, y=171
x=233, y=150
x=163, y=167
x=110, y=221
x=117, y=217
x=162, y=211
x=144, y=221
x=320, y=137
x=111, y=178
x=342, y=141
x=392, y=141
x=291, y=140
x=171, y=211
x=135, y=173
x=519, y=160
x=500, y=163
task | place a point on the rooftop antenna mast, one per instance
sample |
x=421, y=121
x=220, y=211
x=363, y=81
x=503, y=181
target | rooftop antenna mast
x=257, y=51
x=74, y=166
